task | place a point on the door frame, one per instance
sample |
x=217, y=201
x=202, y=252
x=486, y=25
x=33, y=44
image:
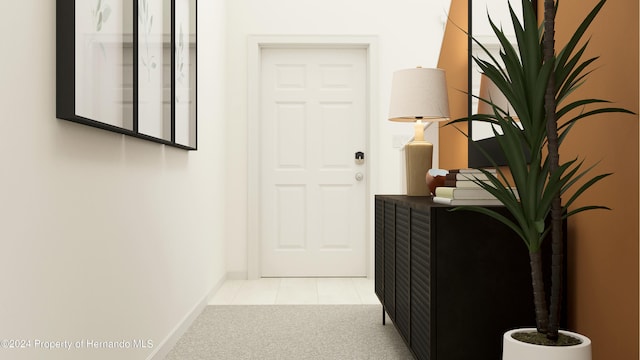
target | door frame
x=254, y=73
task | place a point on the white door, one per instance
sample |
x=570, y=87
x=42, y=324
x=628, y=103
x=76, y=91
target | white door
x=313, y=190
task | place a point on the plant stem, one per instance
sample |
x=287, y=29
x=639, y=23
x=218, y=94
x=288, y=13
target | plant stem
x=554, y=160
x=539, y=297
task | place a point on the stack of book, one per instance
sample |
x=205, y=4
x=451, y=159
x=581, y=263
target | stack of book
x=461, y=188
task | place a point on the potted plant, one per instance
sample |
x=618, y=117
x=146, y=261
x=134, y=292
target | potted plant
x=536, y=82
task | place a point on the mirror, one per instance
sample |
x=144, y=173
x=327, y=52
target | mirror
x=154, y=68
x=481, y=134
x=129, y=66
x=184, y=105
x=103, y=62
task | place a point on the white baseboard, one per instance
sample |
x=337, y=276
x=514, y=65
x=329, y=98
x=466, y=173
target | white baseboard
x=170, y=341
x=237, y=275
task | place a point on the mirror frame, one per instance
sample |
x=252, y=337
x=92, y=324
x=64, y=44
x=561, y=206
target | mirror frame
x=66, y=76
x=476, y=159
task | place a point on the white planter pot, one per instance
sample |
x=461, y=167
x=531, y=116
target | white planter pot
x=513, y=349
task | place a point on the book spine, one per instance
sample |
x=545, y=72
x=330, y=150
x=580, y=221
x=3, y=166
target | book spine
x=462, y=193
x=456, y=202
x=467, y=176
x=473, y=171
x=441, y=200
x=461, y=183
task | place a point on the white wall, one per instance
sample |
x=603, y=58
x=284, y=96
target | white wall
x=103, y=237
x=409, y=34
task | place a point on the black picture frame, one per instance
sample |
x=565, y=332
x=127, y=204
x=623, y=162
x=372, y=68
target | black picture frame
x=179, y=121
x=477, y=148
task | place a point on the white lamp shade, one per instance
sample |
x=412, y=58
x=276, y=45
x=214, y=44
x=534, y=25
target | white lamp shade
x=489, y=91
x=419, y=94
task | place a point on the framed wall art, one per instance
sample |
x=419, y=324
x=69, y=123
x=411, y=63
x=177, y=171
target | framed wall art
x=129, y=66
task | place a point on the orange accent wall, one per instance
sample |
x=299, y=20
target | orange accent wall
x=453, y=59
x=603, y=252
x=603, y=256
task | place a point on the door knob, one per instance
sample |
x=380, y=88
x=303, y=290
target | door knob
x=359, y=176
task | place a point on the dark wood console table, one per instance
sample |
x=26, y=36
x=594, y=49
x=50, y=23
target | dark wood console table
x=451, y=282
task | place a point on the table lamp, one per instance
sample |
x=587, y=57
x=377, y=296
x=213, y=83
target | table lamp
x=416, y=95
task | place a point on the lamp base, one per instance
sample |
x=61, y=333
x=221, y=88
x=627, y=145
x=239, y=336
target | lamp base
x=418, y=155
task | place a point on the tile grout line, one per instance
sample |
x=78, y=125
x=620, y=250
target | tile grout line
x=235, y=293
x=355, y=287
x=301, y=290
x=275, y=300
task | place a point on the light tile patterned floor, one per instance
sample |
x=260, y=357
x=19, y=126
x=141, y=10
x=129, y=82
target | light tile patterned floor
x=281, y=291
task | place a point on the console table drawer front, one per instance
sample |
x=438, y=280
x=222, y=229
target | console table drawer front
x=402, y=317
x=390, y=259
x=379, y=253
x=443, y=275
x=420, y=284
